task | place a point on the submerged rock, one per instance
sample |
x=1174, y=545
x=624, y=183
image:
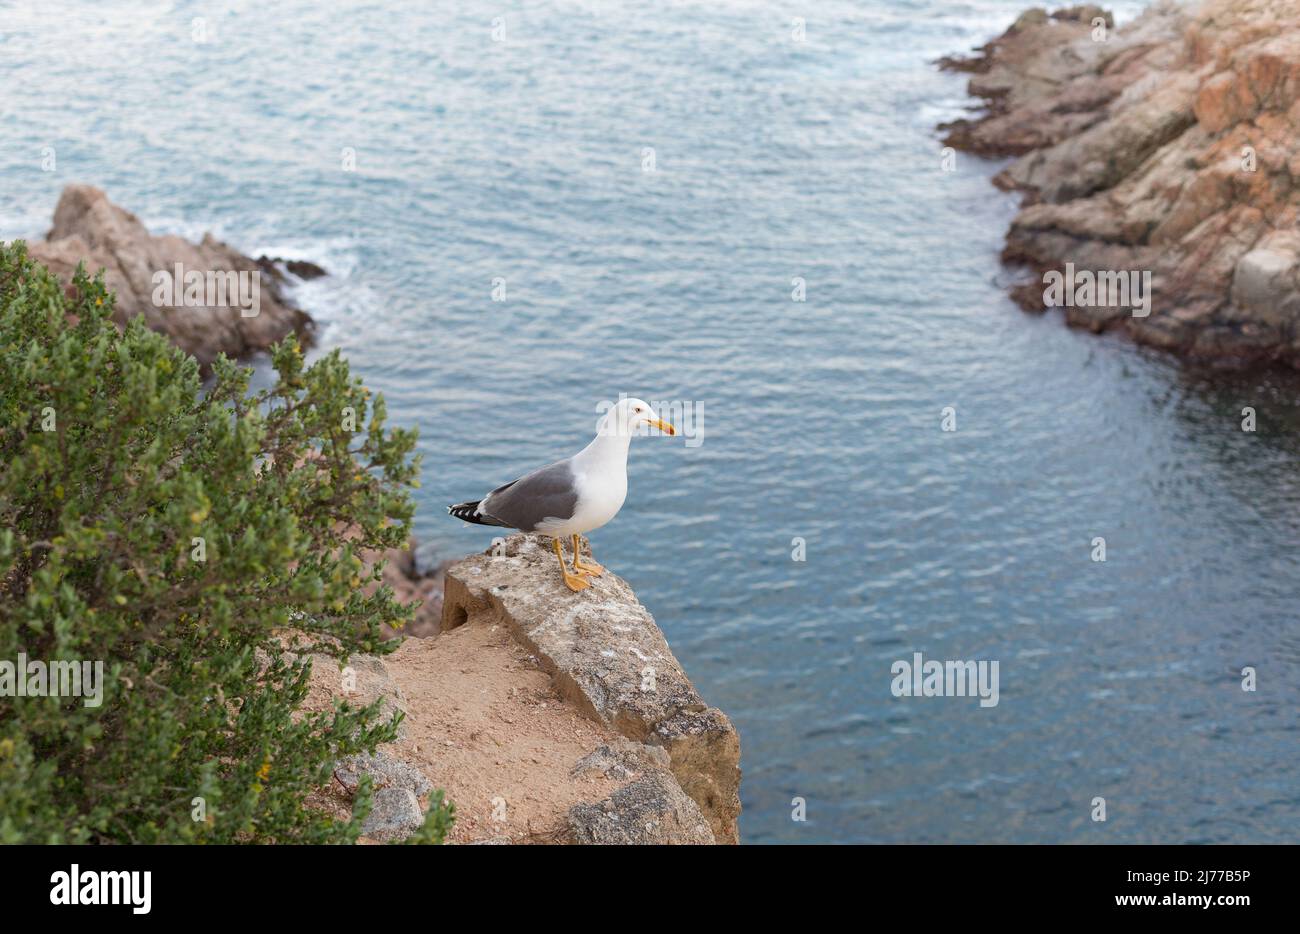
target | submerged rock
x=303, y=269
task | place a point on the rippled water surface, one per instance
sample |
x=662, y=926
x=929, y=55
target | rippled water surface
x=523, y=159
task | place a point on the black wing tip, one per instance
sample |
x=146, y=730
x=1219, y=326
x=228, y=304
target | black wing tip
x=468, y=512
x=463, y=511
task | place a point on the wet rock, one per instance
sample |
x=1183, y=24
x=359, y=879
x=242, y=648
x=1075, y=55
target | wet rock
x=303, y=269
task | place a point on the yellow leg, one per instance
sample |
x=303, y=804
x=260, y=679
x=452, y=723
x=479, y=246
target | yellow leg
x=580, y=565
x=574, y=582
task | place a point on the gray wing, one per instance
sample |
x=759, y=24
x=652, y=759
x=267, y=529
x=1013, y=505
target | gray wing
x=549, y=492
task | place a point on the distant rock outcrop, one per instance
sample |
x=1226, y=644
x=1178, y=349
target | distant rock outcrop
x=90, y=228
x=1167, y=145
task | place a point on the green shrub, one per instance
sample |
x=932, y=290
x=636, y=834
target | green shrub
x=198, y=544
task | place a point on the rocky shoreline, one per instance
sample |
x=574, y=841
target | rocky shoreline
x=547, y=716
x=91, y=229
x=1163, y=147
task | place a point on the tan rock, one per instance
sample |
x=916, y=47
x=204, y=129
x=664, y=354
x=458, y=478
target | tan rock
x=1265, y=282
x=652, y=808
x=1168, y=147
x=90, y=228
x=607, y=656
x=521, y=762
x=361, y=681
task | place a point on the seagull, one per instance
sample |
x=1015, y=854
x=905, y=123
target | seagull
x=573, y=496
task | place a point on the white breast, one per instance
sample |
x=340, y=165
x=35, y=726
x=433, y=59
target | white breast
x=600, y=497
x=600, y=475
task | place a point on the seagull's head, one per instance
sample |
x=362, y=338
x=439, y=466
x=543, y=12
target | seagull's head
x=629, y=416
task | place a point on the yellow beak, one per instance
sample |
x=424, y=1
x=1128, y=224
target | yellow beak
x=662, y=426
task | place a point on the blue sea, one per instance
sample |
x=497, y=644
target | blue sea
x=648, y=187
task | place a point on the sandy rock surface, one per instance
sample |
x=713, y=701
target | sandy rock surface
x=546, y=717
x=609, y=659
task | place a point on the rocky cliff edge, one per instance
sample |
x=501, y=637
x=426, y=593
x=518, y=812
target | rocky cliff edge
x=546, y=716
